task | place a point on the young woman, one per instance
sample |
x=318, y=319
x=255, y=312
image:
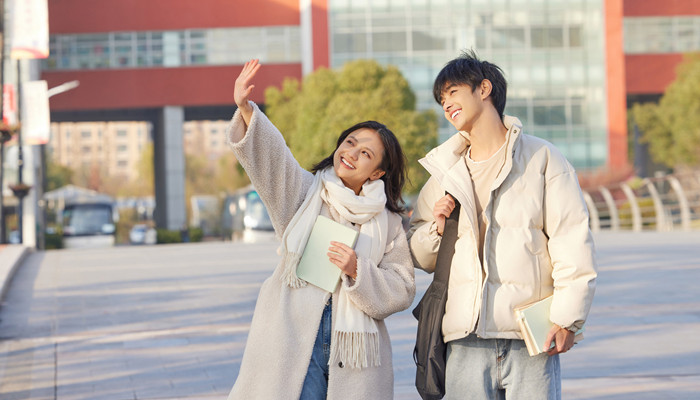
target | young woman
x=305, y=343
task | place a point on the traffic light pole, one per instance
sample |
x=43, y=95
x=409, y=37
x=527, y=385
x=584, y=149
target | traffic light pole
x=4, y=129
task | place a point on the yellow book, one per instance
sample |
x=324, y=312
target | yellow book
x=314, y=266
x=534, y=323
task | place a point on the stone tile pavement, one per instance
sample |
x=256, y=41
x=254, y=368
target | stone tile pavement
x=170, y=322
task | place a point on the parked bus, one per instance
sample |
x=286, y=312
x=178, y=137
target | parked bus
x=246, y=217
x=89, y=224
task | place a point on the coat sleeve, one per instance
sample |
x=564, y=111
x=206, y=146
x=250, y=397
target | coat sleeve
x=423, y=237
x=570, y=248
x=387, y=288
x=274, y=172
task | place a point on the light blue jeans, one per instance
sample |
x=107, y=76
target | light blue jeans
x=491, y=369
x=316, y=381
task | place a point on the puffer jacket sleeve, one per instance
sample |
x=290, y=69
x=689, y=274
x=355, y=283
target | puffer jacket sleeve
x=570, y=248
x=387, y=288
x=423, y=237
x=274, y=172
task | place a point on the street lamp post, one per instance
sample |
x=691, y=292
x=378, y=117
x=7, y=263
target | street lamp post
x=5, y=132
x=41, y=182
x=20, y=189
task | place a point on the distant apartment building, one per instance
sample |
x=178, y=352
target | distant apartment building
x=113, y=148
x=206, y=138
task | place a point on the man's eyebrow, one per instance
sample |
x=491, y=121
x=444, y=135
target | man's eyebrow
x=448, y=87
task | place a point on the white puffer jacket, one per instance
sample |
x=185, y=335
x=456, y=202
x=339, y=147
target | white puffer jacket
x=537, y=237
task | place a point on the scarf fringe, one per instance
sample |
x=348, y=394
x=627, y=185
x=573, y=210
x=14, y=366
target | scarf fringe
x=289, y=273
x=356, y=349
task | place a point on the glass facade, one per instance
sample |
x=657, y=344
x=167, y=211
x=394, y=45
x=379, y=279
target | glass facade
x=552, y=53
x=224, y=46
x=654, y=35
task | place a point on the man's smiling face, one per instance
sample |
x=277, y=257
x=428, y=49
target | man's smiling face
x=462, y=105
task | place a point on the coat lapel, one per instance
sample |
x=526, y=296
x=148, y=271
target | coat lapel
x=446, y=164
x=514, y=129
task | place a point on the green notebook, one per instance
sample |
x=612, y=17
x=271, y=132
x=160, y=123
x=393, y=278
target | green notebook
x=534, y=323
x=314, y=266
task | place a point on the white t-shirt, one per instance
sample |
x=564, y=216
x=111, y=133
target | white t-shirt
x=483, y=174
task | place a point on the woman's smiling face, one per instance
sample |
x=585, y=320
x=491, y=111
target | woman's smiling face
x=358, y=158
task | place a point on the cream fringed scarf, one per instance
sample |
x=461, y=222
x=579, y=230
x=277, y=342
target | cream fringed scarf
x=355, y=338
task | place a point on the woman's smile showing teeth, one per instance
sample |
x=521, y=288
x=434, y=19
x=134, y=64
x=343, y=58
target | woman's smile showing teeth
x=347, y=163
x=358, y=157
x=455, y=114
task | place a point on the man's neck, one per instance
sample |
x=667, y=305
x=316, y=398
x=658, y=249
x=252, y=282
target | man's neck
x=486, y=138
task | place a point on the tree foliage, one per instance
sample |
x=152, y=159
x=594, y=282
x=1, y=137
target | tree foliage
x=672, y=127
x=57, y=175
x=204, y=176
x=312, y=115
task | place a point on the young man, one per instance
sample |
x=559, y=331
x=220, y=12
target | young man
x=523, y=235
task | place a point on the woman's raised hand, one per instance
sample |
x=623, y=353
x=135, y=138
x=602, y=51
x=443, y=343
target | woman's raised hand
x=244, y=88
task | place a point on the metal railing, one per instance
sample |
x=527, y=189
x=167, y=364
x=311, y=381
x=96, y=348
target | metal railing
x=662, y=203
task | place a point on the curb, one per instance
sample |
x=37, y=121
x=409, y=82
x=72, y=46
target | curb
x=11, y=257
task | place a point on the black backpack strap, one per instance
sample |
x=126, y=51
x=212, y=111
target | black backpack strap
x=447, y=245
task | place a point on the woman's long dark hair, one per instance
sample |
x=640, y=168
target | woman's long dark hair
x=393, y=162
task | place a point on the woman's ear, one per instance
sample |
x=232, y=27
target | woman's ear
x=378, y=173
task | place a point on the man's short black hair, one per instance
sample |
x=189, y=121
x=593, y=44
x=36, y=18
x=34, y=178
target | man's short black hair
x=467, y=69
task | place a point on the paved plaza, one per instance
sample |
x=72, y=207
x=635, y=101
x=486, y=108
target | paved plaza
x=170, y=322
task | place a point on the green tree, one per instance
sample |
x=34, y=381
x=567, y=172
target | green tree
x=312, y=115
x=57, y=175
x=672, y=127
x=145, y=184
x=212, y=177
x=229, y=175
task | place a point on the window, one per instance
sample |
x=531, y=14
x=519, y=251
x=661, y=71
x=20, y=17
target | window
x=518, y=111
x=389, y=41
x=577, y=116
x=575, y=36
x=549, y=114
x=547, y=37
x=427, y=41
x=217, y=46
x=350, y=42
x=673, y=34
x=508, y=38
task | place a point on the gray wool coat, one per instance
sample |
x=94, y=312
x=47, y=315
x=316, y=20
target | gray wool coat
x=286, y=320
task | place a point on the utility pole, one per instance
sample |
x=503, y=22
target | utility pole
x=19, y=189
x=5, y=132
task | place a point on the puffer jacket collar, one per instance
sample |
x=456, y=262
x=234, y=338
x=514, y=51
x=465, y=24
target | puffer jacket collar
x=446, y=163
x=515, y=127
